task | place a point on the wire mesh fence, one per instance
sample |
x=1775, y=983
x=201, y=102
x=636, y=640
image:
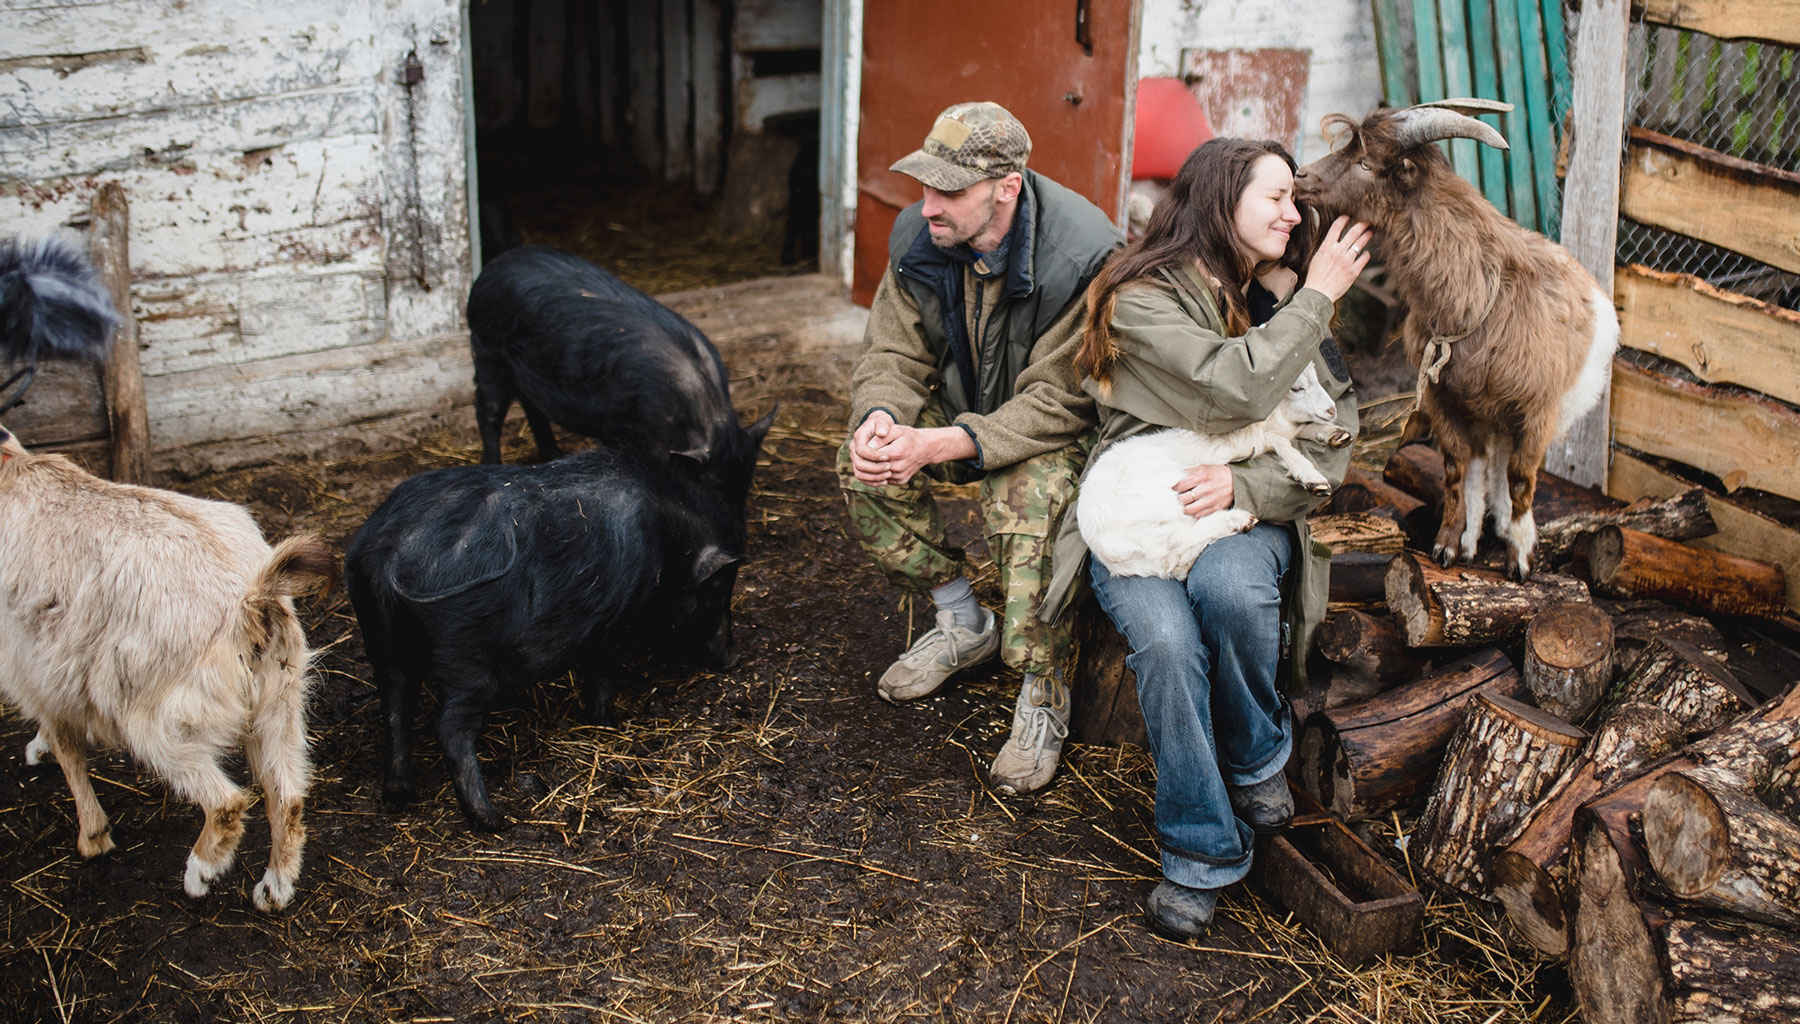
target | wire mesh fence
x=1736, y=97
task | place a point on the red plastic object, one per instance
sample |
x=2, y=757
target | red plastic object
x=1170, y=123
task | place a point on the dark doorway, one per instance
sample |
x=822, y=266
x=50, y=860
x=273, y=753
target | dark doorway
x=628, y=133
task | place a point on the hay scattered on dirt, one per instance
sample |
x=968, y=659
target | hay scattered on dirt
x=770, y=843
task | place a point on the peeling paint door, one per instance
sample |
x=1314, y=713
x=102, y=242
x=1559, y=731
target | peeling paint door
x=1065, y=68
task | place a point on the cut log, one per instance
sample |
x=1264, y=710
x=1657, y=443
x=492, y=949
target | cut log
x=1462, y=607
x=1742, y=974
x=1676, y=691
x=1501, y=759
x=1359, y=577
x=1104, y=707
x=1338, y=689
x=1363, y=491
x=1357, y=531
x=1636, y=623
x=1684, y=516
x=1614, y=965
x=1683, y=680
x=1569, y=658
x=1417, y=469
x=1363, y=759
x=1635, y=961
x=1613, y=961
x=1369, y=646
x=1526, y=875
x=1631, y=563
x=1715, y=845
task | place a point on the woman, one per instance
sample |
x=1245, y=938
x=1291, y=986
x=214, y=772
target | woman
x=1203, y=323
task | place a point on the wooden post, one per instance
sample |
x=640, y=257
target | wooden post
x=1591, y=203
x=122, y=381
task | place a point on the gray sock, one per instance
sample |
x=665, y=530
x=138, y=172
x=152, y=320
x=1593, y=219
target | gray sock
x=958, y=598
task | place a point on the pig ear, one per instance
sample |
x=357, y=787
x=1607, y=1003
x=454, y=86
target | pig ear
x=711, y=559
x=760, y=429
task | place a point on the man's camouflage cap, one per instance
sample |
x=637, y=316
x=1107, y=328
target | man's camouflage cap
x=969, y=142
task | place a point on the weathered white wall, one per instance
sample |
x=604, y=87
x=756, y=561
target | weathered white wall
x=298, y=263
x=1340, y=35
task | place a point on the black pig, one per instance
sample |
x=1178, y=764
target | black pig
x=491, y=578
x=577, y=346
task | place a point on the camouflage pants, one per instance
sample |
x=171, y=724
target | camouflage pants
x=902, y=529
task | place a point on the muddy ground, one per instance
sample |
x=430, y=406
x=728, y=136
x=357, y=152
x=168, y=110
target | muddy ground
x=771, y=843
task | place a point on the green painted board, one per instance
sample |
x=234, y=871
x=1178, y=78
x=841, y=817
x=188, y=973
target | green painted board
x=1486, y=77
x=1523, y=205
x=1457, y=82
x=1390, y=45
x=1556, y=49
x=1426, y=41
x=1537, y=107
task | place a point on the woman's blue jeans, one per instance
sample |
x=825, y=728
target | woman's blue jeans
x=1205, y=652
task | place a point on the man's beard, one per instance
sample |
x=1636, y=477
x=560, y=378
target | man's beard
x=952, y=241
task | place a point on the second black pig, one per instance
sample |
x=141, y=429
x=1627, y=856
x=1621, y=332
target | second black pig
x=579, y=347
x=487, y=579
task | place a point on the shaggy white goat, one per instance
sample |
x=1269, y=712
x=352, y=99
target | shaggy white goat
x=1129, y=513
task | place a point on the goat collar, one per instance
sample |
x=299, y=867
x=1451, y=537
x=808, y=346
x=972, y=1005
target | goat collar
x=1437, y=350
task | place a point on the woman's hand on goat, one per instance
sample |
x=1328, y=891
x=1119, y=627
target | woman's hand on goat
x=1338, y=263
x=1204, y=490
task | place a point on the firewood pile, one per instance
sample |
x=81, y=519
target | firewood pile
x=1575, y=745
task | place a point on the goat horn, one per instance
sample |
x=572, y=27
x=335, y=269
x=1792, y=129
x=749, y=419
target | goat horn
x=1470, y=105
x=1416, y=126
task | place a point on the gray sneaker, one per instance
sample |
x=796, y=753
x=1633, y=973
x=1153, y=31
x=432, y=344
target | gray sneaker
x=931, y=660
x=1040, y=724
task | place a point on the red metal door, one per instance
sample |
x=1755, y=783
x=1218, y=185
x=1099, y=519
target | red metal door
x=1063, y=67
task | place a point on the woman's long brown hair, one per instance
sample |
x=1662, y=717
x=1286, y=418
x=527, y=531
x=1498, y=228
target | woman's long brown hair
x=1195, y=221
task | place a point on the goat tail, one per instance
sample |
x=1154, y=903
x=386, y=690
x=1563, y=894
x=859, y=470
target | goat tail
x=275, y=648
x=52, y=304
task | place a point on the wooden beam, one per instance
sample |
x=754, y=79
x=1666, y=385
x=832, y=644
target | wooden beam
x=1459, y=82
x=1775, y=20
x=1745, y=440
x=1743, y=206
x=1741, y=531
x=1590, y=202
x=1721, y=336
x=121, y=381
x=1485, y=77
x=1538, y=111
x=1518, y=133
x=1390, y=44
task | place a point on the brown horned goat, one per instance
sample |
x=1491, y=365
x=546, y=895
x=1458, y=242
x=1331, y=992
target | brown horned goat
x=1513, y=337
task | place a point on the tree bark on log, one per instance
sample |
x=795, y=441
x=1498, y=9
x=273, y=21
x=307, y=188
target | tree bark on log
x=1681, y=679
x=1637, y=623
x=1369, y=646
x=1569, y=658
x=1613, y=961
x=1735, y=975
x=1614, y=965
x=1365, y=758
x=1501, y=759
x=1462, y=607
x=1104, y=706
x=1526, y=875
x=1715, y=845
x=1417, y=469
x=1363, y=491
x=1683, y=516
x=122, y=379
x=1631, y=563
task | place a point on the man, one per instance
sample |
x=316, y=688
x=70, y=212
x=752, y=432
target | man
x=969, y=375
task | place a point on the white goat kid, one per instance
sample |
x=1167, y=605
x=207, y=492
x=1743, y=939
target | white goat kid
x=1130, y=515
